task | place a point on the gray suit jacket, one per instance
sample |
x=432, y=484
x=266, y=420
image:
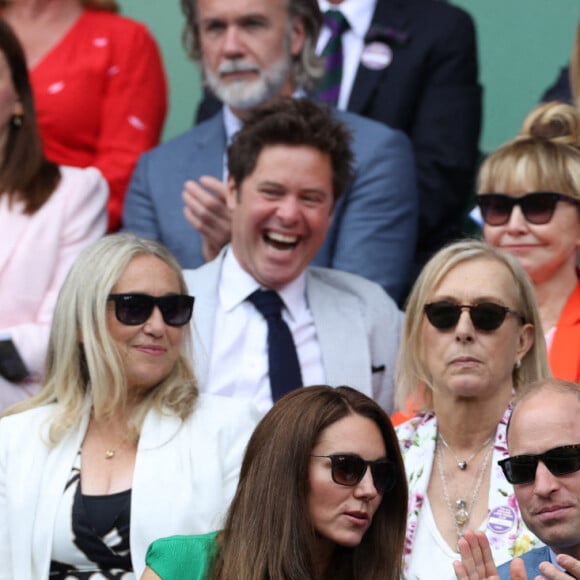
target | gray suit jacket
x=375, y=222
x=532, y=560
x=357, y=324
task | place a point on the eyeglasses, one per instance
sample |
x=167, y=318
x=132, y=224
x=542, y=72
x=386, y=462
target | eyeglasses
x=559, y=461
x=349, y=469
x=538, y=207
x=134, y=309
x=486, y=316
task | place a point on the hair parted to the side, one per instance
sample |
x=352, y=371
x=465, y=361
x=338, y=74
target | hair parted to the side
x=83, y=366
x=308, y=66
x=412, y=372
x=25, y=174
x=294, y=122
x=268, y=532
x=544, y=156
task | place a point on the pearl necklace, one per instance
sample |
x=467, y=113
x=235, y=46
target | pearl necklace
x=461, y=513
x=463, y=463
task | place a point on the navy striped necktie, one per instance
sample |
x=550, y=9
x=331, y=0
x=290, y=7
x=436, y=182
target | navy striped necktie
x=328, y=89
x=283, y=365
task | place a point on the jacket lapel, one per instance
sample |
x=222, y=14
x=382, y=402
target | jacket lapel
x=388, y=13
x=13, y=225
x=340, y=334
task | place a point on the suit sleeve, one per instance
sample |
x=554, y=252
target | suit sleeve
x=84, y=222
x=139, y=214
x=446, y=130
x=134, y=108
x=377, y=226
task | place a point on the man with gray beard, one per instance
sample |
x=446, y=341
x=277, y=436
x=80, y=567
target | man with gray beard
x=251, y=51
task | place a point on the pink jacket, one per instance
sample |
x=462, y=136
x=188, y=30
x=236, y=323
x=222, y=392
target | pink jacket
x=36, y=252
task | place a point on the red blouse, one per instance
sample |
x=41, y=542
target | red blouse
x=101, y=99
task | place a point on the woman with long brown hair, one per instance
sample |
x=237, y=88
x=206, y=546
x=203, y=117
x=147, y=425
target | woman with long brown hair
x=322, y=495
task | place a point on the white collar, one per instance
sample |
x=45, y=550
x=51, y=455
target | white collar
x=359, y=13
x=236, y=285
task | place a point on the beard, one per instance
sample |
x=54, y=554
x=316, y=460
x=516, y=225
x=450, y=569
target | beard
x=244, y=94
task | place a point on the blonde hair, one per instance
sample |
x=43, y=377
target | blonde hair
x=545, y=155
x=412, y=371
x=83, y=366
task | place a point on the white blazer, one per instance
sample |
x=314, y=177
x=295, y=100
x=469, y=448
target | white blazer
x=358, y=327
x=185, y=476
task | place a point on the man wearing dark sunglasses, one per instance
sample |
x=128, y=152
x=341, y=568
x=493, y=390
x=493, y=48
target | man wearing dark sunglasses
x=544, y=467
x=307, y=325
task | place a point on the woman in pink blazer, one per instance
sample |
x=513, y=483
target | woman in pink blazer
x=48, y=214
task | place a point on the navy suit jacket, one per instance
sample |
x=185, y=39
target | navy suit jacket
x=532, y=560
x=374, y=228
x=431, y=92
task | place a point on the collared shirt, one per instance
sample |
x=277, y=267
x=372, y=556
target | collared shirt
x=239, y=356
x=359, y=14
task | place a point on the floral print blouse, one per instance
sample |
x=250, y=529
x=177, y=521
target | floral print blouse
x=506, y=531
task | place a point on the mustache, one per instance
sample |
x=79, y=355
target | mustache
x=236, y=65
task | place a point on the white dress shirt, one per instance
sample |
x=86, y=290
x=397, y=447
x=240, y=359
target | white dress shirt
x=359, y=14
x=238, y=364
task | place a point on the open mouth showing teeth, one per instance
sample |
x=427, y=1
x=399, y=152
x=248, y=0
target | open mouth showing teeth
x=280, y=241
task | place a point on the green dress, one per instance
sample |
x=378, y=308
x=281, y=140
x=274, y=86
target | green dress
x=182, y=557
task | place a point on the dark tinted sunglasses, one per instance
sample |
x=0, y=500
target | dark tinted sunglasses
x=559, y=461
x=134, y=309
x=348, y=469
x=538, y=207
x=444, y=315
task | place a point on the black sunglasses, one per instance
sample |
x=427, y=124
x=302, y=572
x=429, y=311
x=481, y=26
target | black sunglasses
x=444, y=315
x=559, y=461
x=134, y=309
x=349, y=469
x=538, y=207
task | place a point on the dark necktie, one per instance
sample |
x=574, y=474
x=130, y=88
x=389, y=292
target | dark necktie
x=328, y=89
x=283, y=365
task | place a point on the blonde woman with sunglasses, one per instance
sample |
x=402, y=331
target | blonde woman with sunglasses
x=529, y=197
x=472, y=336
x=119, y=448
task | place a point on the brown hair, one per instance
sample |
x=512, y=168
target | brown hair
x=545, y=155
x=104, y=5
x=294, y=122
x=268, y=533
x=25, y=174
x=308, y=66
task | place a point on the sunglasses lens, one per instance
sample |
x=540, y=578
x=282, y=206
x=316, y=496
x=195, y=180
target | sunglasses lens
x=348, y=469
x=176, y=310
x=488, y=316
x=133, y=309
x=520, y=469
x=562, y=460
x=538, y=208
x=443, y=315
x=495, y=208
x=384, y=475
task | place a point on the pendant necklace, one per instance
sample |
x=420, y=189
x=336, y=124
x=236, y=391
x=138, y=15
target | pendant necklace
x=462, y=511
x=463, y=463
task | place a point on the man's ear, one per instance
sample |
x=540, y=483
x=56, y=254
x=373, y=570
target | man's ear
x=231, y=194
x=297, y=36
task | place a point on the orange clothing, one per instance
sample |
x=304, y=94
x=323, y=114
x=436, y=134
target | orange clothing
x=101, y=99
x=564, y=355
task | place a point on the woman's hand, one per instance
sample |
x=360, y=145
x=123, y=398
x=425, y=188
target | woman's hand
x=476, y=558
